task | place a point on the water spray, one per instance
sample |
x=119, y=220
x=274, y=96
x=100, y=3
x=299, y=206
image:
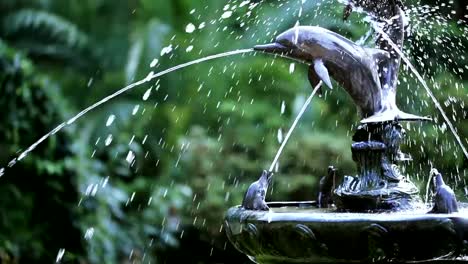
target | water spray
x=293, y=126
x=148, y=78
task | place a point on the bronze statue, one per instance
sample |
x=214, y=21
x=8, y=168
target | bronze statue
x=354, y=67
x=369, y=76
x=299, y=233
x=254, y=198
x=327, y=184
x=391, y=14
x=445, y=201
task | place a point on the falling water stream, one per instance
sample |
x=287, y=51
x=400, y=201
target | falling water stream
x=293, y=126
x=428, y=185
x=148, y=78
x=421, y=80
x=291, y=69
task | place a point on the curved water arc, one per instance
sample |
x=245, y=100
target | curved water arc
x=148, y=78
x=426, y=87
x=293, y=126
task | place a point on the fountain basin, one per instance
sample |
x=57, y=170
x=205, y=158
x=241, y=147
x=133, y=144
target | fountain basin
x=299, y=232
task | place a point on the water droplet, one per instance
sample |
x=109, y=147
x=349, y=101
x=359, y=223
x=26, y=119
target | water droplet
x=108, y=140
x=60, y=254
x=226, y=14
x=106, y=180
x=292, y=67
x=147, y=94
x=280, y=135
x=202, y=25
x=72, y=120
x=166, y=50
x=135, y=109
x=149, y=76
x=110, y=120
x=89, y=233
x=130, y=157
x=12, y=162
x=283, y=107
x=154, y=62
x=91, y=190
x=189, y=48
x=244, y=3
x=190, y=28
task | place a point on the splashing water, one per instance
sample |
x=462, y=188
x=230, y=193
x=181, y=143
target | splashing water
x=293, y=126
x=426, y=87
x=301, y=9
x=60, y=254
x=150, y=77
x=428, y=186
x=364, y=38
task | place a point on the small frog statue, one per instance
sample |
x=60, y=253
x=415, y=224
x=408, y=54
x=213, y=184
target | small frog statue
x=254, y=198
x=326, y=188
x=445, y=201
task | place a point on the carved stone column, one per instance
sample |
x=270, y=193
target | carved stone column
x=379, y=185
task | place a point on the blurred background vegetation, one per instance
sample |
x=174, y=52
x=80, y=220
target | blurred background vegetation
x=203, y=134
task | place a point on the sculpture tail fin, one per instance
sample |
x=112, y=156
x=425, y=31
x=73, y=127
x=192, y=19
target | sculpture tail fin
x=393, y=115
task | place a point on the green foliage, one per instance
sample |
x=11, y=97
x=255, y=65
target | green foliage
x=44, y=35
x=43, y=186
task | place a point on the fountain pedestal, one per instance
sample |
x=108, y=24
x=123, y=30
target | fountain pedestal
x=378, y=218
x=370, y=231
x=379, y=184
x=300, y=233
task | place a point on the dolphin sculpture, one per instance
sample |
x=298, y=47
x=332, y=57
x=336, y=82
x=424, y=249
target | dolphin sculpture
x=354, y=67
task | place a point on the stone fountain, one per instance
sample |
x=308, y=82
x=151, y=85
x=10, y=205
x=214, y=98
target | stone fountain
x=377, y=214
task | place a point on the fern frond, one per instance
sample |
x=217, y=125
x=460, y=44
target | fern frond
x=43, y=35
x=43, y=27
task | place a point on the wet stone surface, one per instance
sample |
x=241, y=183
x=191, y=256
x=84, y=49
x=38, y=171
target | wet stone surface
x=379, y=185
x=291, y=233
